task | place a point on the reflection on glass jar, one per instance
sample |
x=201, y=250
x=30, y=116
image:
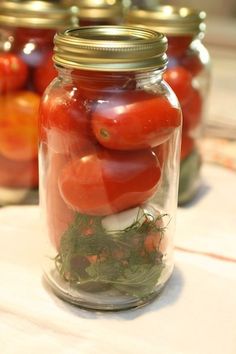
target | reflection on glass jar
x=109, y=157
x=27, y=29
x=188, y=74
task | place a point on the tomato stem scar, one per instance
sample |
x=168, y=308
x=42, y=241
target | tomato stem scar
x=104, y=133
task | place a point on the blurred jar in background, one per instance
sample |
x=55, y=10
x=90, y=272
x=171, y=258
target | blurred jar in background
x=27, y=29
x=98, y=12
x=188, y=74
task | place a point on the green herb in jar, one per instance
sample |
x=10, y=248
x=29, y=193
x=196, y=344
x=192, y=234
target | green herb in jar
x=129, y=260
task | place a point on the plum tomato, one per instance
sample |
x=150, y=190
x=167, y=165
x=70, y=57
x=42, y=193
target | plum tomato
x=18, y=174
x=134, y=120
x=180, y=80
x=95, y=85
x=187, y=146
x=13, y=73
x=64, y=118
x=109, y=181
x=44, y=73
x=192, y=111
x=19, y=125
x=177, y=46
x=59, y=216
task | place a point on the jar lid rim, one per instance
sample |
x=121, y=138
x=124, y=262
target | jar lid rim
x=37, y=14
x=107, y=48
x=98, y=9
x=171, y=20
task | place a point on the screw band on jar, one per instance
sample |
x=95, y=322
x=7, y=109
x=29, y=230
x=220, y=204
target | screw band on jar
x=107, y=48
x=169, y=20
x=98, y=10
x=37, y=14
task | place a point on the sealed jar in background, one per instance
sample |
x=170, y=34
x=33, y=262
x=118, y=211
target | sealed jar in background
x=188, y=74
x=109, y=159
x=27, y=29
x=98, y=12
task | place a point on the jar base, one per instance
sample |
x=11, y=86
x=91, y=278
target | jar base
x=105, y=300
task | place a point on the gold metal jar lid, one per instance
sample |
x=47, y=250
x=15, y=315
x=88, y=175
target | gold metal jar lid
x=108, y=48
x=37, y=14
x=98, y=9
x=169, y=20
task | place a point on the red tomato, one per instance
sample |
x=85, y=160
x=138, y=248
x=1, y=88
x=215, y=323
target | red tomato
x=95, y=84
x=109, y=181
x=178, y=45
x=65, y=121
x=59, y=216
x=19, y=125
x=187, y=146
x=134, y=120
x=44, y=74
x=13, y=73
x=180, y=80
x=64, y=109
x=192, y=111
x=18, y=174
x=33, y=35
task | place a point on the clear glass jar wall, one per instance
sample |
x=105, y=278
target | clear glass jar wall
x=109, y=160
x=26, y=69
x=188, y=74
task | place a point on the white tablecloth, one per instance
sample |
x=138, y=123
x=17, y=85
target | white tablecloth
x=208, y=224
x=195, y=313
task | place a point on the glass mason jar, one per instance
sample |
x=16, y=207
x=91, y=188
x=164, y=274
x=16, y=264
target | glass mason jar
x=188, y=74
x=98, y=12
x=27, y=29
x=109, y=158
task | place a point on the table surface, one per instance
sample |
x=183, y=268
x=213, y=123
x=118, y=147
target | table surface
x=195, y=313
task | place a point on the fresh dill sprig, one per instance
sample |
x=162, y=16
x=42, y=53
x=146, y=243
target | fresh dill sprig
x=89, y=254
